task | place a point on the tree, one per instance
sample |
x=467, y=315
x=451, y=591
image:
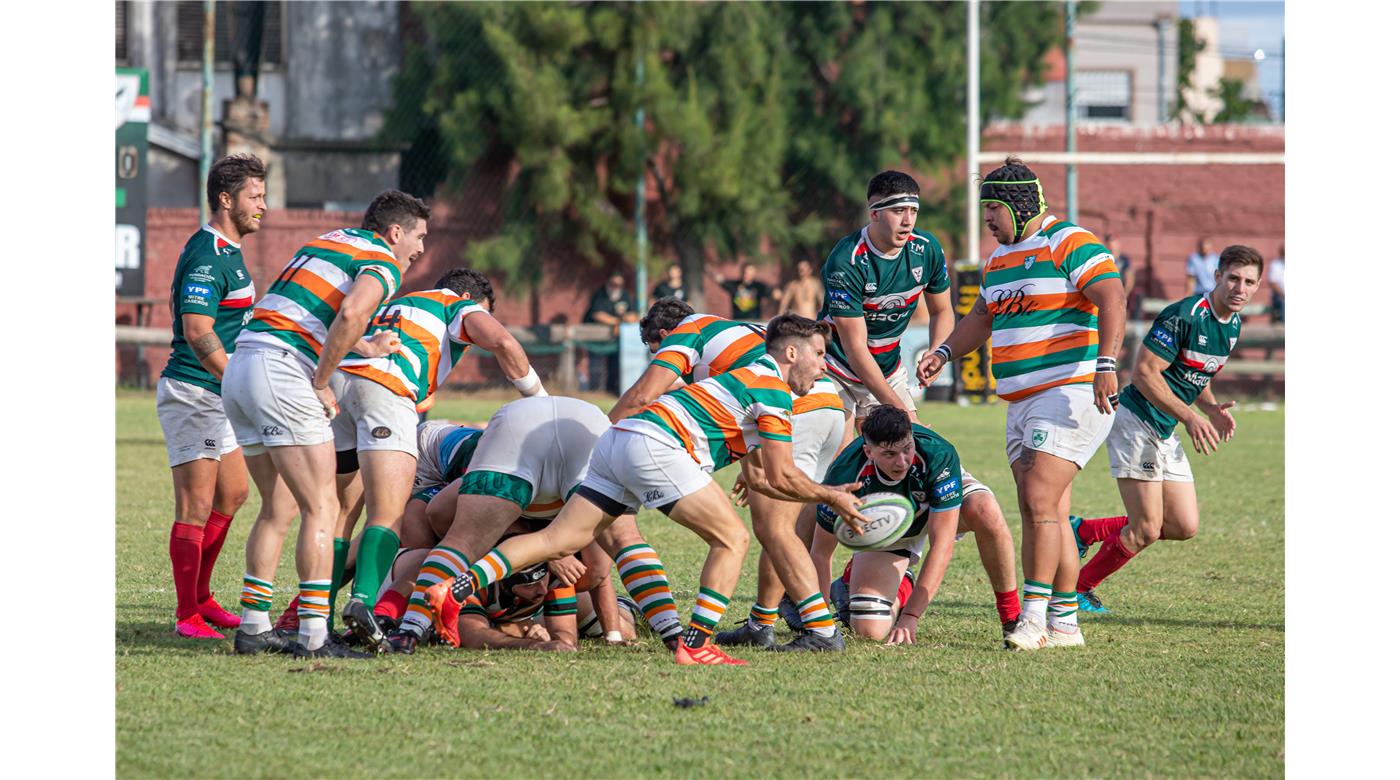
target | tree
x=763, y=121
x=1234, y=105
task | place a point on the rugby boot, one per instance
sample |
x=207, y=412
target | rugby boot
x=272, y=641
x=217, y=615
x=333, y=648
x=812, y=642
x=402, y=641
x=446, y=608
x=1089, y=602
x=705, y=655
x=746, y=634
x=841, y=600
x=1054, y=637
x=1029, y=634
x=289, y=621
x=360, y=619
x=1074, y=521
x=788, y=609
x=1006, y=628
x=194, y=627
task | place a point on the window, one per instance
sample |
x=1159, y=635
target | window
x=121, y=31
x=189, y=22
x=1104, y=94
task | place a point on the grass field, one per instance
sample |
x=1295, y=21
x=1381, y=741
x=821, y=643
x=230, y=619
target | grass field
x=1185, y=678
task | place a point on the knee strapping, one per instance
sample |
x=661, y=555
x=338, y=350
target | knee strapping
x=867, y=607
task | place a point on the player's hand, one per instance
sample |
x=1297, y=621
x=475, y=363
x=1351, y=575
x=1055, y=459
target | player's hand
x=620, y=641
x=1221, y=419
x=740, y=492
x=1202, y=433
x=382, y=343
x=847, y=505
x=568, y=569
x=903, y=631
x=327, y=399
x=930, y=366
x=1106, y=391
x=537, y=632
x=558, y=646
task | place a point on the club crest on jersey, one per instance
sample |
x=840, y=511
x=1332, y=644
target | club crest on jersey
x=920, y=496
x=919, y=274
x=1030, y=261
x=1038, y=436
x=1233, y=339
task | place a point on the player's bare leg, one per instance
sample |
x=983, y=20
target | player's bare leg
x=875, y=578
x=196, y=484
x=388, y=482
x=1156, y=510
x=261, y=555
x=309, y=472
x=981, y=515
x=1042, y=481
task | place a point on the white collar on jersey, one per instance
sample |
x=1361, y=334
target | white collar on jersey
x=865, y=236
x=225, y=238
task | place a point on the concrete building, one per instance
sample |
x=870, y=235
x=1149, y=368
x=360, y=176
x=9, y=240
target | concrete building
x=318, y=104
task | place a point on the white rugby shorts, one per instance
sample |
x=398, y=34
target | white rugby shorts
x=1060, y=421
x=543, y=440
x=634, y=470
x=1135, y=451
x=858, y=399
x=269, y=401
x=816, y=440
x=193, y=421
x=372, y=417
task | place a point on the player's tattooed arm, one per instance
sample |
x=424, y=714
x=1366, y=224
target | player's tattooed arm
x=208, y=349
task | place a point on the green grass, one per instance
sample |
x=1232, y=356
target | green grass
x=1185, y=678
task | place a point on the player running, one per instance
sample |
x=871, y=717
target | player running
x=689, y=347
x=893, y=455
x=211, y=297
x=662, y=458
x=873, y=279
x=1053, y=305
x=280, y=402
x=1186, y=347
x=379, y=420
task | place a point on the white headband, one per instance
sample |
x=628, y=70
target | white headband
x=895, y=201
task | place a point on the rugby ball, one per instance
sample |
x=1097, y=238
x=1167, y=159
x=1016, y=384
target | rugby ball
x=889, y=516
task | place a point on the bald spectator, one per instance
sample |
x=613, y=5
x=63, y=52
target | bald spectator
x=1200, y=268
x=803, y=295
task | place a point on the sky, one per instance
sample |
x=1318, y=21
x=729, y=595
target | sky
x=1245, y=27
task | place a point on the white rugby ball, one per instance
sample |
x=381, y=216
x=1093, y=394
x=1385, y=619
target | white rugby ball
x=889, y=516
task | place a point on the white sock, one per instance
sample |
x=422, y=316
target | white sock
x=255, y=621
x=312, y=632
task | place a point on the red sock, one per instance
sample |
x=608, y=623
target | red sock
x=392, y=604
x=214, y=532
x=1008, y=605
x=185, y=541
x=1109, y=559
x=1099, y=529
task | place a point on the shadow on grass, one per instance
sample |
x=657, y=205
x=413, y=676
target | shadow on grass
x=150, y=637
x=1117, y=619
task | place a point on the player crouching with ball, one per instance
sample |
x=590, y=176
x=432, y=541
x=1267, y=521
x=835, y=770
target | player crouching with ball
x=894, y=456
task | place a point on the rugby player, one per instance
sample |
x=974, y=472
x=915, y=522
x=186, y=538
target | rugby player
x=533, y=454
x=893, y=455
x=662, y=458
x=380, y=423
x=1053, y=305
x=1188, y=344
x=279, y=400
x=689, y=347
x=873, y=280
x=211, y=297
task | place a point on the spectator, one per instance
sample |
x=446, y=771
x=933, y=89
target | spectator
x=746, y=294
x=1129, y=274
x=671, y=287
x=1200, y=268
x=611, y=305
x=803, y=295
x=1276, y=285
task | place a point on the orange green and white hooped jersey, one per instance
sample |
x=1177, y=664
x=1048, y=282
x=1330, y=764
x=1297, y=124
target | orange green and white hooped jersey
x=704, y=345
x=719, y=419
x=499, y=605
x=302, y=302
x=432, y=328
x=1045, y=331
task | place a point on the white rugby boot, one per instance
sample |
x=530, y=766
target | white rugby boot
x=1057, y=637
x=1029, y=634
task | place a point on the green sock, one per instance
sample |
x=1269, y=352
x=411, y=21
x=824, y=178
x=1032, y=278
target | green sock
x=377, y=549
x=340, y=548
